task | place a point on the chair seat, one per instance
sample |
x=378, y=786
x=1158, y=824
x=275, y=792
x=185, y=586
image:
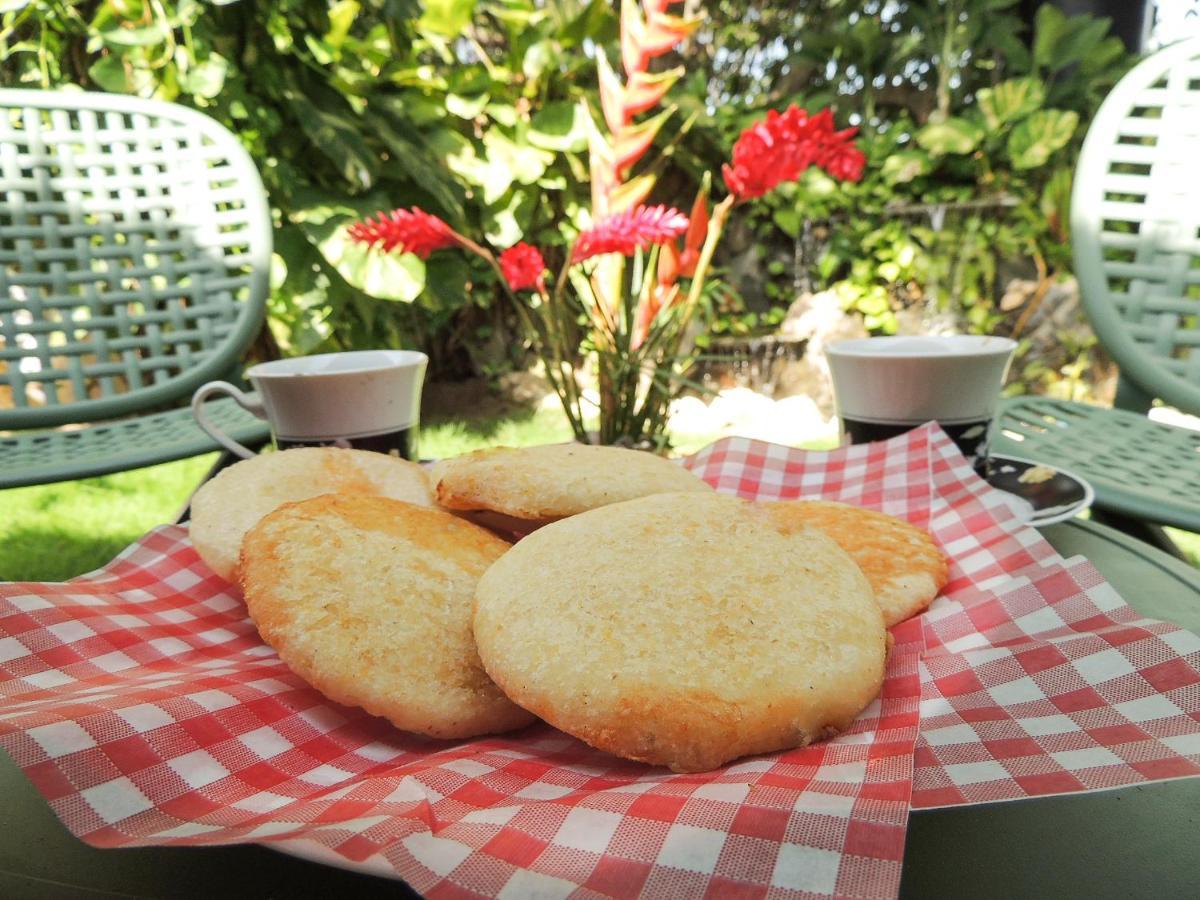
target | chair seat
x=1138, y=467
x=39, y=457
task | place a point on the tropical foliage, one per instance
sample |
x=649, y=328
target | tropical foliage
x=471, y=111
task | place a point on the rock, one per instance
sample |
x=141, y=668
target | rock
x=744, y=413
x=819, y=319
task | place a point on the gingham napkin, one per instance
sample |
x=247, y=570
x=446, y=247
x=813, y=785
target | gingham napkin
x=141, y=703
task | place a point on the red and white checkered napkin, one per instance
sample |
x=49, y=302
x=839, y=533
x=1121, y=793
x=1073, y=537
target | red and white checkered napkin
x=1037, y=677
x=142, y=704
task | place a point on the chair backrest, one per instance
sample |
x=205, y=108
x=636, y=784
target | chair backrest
x=1135, y=225
x=135, y=242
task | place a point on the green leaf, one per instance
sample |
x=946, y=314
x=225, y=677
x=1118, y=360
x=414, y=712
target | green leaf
x=525, y=162
x=1055, y=204
x=337, y=135
x=466, y=107
x=954, y=135
x=146, y=36
x=341, y=16
x=447, y=17
x=788, y=220
x=109, y=73
x=596, y=22
x=207, y=78
x=324, y=219
x=905, y=165
x=559, y=126
x=1050, y=28
x=415, y=163
x=1035, y=139
x=1010, y=100
x=386, y=276
x=503, y=227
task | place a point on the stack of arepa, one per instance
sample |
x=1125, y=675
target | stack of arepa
x=639, y=610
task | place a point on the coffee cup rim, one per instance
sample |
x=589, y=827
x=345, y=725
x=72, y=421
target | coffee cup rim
x=309, y=366
x=952, y=346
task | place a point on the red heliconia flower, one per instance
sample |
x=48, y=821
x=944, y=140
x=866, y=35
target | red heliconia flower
x=630, y=230
x=411, y=231
x=523, y=267
x=782, y=146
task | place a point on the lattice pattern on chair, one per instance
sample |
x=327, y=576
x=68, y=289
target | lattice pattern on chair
x=1134, y=463
x=130, y=241
x=1136, y=225
x=141, y=440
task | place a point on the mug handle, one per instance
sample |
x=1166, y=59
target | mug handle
x=249, y=402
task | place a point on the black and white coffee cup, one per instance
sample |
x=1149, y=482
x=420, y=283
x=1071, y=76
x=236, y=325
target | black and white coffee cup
x=885, y=386
x=364, y=399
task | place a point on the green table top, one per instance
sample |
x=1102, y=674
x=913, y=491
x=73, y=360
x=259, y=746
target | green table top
x=1132, y=842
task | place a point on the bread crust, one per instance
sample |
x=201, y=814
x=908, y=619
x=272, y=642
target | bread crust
x=226, y=507
x=547, y=483
x=682, y=630
x=369, y=600
x=904, y=565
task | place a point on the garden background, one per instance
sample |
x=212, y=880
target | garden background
x=971, y=113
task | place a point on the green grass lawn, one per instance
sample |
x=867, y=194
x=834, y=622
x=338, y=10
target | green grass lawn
x=58, y=531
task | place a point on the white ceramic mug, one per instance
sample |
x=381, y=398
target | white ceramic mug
x=884, y=386
x=365, y=399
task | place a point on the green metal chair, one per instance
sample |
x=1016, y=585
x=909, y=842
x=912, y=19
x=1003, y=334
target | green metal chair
x=1135, y=231
x=135, y=241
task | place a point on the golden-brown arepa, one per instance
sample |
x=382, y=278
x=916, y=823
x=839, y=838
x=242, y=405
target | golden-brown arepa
x=534, y=485
x=369, y=600
x=905, y=567
x=226, y=507
x=683, y=630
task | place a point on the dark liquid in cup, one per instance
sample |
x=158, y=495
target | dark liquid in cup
x=402, y=443
x=970, y=437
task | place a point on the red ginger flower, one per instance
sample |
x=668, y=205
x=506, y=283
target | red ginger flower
x=412, y=231
x=523, y=267
x=782, y=146
x=631, y=230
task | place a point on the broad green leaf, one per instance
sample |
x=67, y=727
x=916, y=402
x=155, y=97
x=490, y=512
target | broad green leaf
x=539, y=58
x=504, y=114
x=466, y=107
x=207, y=78
x=954, y=135
x=341, y=16
x=414, y=163
x=1050, y=28
x=146, y=36
x=446, y=17
x=386, y=276
x=905, y=165
x=333, y=129
x=788, y=220
x=1035, y=139
x=109, y=73
x=559, y=126
x=597, y=22
x=1010, y=100
x=324, y=219
x=525, y=162
x=1055, y=204
x=503, y=227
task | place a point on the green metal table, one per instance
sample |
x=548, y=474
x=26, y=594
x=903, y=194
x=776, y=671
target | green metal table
x=1133, y=842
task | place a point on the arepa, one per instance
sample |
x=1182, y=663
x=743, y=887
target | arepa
x=534, y=485
x=226, y=507
x=682, y=629
x=369, y=599
x=905, y=567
